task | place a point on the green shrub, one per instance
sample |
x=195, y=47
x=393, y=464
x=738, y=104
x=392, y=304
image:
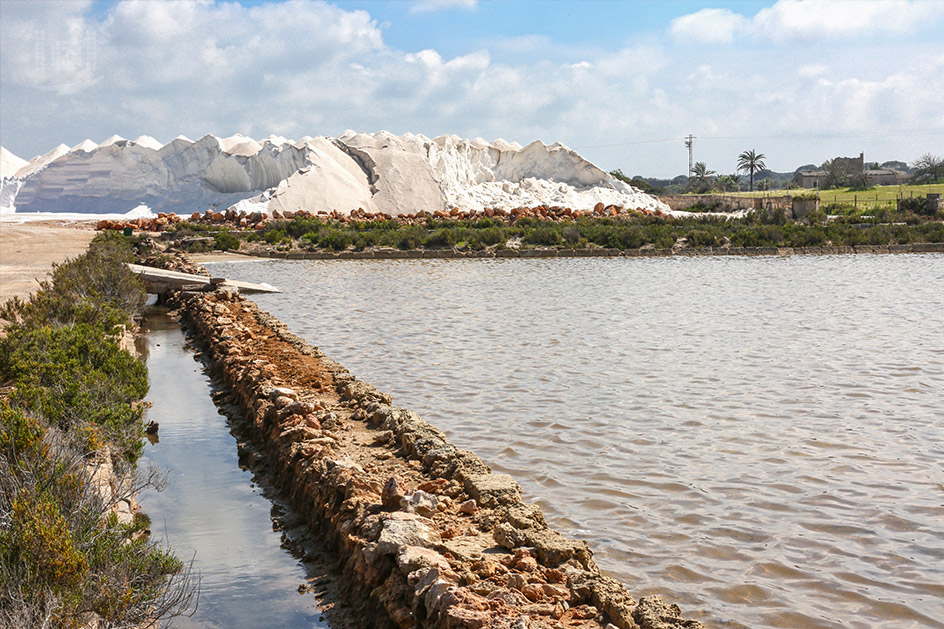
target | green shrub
x=75, y=375
x=444, y=237
x=226, y=241
x=545, y=233
x=570, y=234
x=75, y=391
x=335, y=239
x=809, y=237
x=488, y=236
x=411, y=237
x=274, y=236
x=96, y=287
x=62, y=555
x=701, y=238
x=916, y=205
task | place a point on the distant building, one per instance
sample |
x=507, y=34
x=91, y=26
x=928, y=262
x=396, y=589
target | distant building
x=886, y=177
x=852, y=166
x=810, y=178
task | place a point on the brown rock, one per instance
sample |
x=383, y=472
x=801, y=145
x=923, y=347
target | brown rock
x=393, y=492
x=533, y=591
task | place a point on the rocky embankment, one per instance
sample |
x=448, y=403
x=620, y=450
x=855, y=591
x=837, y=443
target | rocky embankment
x=425, y=534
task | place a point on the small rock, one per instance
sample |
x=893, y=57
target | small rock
x=411, y=558
x=516, y=581
x=420, y=502
x=298, y=408
x=278, y=392
x=406, y=530
x=510, y=597
x=533, y=591
x=555, y=590
x=393, y=492
x=282, y=401
x=492, y=490
x=383, y=436
x=526, y=564
x=468, y=506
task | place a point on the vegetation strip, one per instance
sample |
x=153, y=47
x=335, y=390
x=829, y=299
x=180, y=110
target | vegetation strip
x=426, y=534
x=547, y=232
x=74, y=551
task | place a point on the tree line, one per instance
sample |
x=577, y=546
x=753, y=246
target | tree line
x=927, y=169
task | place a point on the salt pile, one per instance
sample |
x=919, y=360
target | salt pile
x=378, y=172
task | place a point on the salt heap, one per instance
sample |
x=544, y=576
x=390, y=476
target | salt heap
x=10, y=163
x=377, y=172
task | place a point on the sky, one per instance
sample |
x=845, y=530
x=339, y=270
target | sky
x=622, y=83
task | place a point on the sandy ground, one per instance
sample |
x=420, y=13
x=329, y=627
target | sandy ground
x=28, y=251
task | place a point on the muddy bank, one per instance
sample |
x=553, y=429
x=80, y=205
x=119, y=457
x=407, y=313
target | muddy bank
x=426, y=534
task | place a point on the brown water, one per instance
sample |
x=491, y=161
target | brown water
x=212, y=511
x=759, y=439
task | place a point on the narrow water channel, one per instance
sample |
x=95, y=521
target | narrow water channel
x=212, y=510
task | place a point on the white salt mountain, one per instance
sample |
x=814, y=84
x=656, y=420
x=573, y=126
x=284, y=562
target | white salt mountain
x=10, y=163
x=377, y=172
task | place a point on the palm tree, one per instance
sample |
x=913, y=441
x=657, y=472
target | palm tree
x=701, y=175
x=751, y=162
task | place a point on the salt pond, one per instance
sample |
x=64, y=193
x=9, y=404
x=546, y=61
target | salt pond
x=759, y=439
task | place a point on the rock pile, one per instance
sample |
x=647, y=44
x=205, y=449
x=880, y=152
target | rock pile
x=426, y=534
x=158, y=223
x=243, y=220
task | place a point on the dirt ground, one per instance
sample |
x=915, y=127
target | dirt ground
x=28, y=251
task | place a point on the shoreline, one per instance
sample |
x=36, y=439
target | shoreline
x=426, y=534
x=597, y=252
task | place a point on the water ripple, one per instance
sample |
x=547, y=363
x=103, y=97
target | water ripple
x=758, y=439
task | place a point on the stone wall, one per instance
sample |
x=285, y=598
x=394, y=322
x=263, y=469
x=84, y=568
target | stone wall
x=726, y=203
x=426, y=535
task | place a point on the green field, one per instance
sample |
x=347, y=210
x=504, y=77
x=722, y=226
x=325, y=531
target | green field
x=845, y=195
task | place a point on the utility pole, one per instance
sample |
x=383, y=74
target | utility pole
x=689, y=142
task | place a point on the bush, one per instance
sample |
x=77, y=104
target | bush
x=547, y=234
x=570, y=234
x=226, y=241
x=916, y=205
x=75, y=375
x=411, y=237
x=444, y=237
x=275, y=236
x=336, y=240
x=63, y=555
x=95, y=287
x=701, y=238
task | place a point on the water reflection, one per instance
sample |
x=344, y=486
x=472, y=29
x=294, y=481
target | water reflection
x=756, y=438
x=211, y=509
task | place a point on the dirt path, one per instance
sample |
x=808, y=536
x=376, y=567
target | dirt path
x=28, y=251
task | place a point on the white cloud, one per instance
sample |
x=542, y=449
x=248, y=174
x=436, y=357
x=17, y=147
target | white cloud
x=812, y=70
x=806, y=19
x=304, y=68
x=789, y=20
x=709, y=26
x=428, y=6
